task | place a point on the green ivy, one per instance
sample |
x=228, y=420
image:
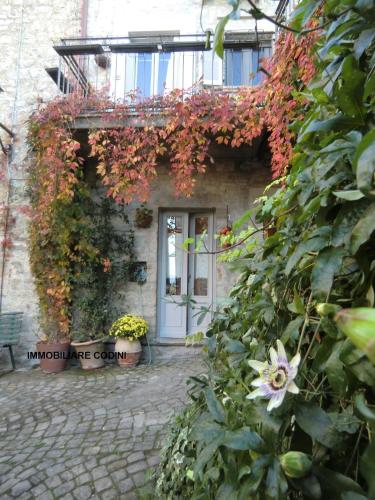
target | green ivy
x=225, y=446
x=97, y=281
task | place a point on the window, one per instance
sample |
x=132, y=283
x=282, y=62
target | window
x=152, y=68
x=241, y=66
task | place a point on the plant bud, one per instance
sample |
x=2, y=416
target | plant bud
x=326, y=309
x=295, y=464
x=359, y=326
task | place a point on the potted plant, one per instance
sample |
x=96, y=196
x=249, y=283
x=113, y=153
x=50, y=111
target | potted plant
x=53, y=348
x=90, y=350
x=143, y=217
x=128, y=330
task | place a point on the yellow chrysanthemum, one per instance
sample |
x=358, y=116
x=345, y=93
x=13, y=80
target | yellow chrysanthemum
x=129, y=326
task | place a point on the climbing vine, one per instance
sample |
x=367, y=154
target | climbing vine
x=128, y=156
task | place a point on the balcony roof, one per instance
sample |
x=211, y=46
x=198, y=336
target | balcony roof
x=154, y=44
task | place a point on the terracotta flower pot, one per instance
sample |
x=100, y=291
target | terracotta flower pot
x=90, y=354
x=54, y=357
x=131, y=351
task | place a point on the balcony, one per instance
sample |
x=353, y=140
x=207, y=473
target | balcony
x=155, y=64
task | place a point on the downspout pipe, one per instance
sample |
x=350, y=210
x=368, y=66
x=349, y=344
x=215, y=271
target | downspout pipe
x=6, y=226
x=84, y=17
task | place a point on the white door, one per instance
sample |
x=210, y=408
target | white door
x=181, y=273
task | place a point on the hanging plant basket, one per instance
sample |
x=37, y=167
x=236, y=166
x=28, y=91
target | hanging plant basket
x=143, y=217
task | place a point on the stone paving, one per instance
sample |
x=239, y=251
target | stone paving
x=86, y=435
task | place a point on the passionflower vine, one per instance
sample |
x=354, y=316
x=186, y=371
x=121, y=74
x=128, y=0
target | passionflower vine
x=275, y=378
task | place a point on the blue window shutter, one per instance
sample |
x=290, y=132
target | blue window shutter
x=228, y=79
x=237, y=67
x=144, y=70
x=246, y=66
x=233, y=67
x=256, y=58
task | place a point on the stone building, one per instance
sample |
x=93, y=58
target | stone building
x=38, y=44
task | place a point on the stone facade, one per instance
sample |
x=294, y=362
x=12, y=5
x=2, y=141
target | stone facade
x=28, y=30
x=117, y=18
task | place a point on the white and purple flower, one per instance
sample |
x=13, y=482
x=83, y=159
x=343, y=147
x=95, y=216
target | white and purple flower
x=275, y=378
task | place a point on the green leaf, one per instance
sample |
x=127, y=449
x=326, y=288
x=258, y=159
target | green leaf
x=350, y=354
x=369, y=85
x=345, y=421
x=367, y=468
x=201, y=241
x=351, y=195
x=327, y=264
x=276, y=484
x=365, y=7
x=311, y=208
x=364, y=164
x=311, y=245
x=241, y=221
x=243, y=439
x=205, y=456
x=349, y=95
x=363, y=409
x=316, y=423
x=220, y=28
x=244, y=471
x=363, y=42
x=297, y=306
x=363, y=229
x=335, y=370
x=334, y=484
x=322, y=354
x=226, y=491
x=214, y=406
x=337, y=123
x=303, y=12
x=187, y=242
x=256, y=13
x=205, y=430
x=219, y=36
x=310, y=487
x=364, y=370
x=292, y=329
x=235, y=346
x=350, y=495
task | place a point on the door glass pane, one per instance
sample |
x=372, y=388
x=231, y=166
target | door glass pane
x=201, y=261
x=174, y=256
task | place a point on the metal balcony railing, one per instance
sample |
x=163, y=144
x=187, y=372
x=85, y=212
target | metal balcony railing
x=153, y=65
x=285, y=9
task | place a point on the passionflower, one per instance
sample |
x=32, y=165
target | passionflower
x=275, y=378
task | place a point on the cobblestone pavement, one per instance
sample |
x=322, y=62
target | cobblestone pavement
x=86, y=435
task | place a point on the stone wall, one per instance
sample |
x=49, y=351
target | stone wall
x=117, y=18
x=28, y=30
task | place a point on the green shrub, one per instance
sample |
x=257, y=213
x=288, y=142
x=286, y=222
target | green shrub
x=227, y=446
